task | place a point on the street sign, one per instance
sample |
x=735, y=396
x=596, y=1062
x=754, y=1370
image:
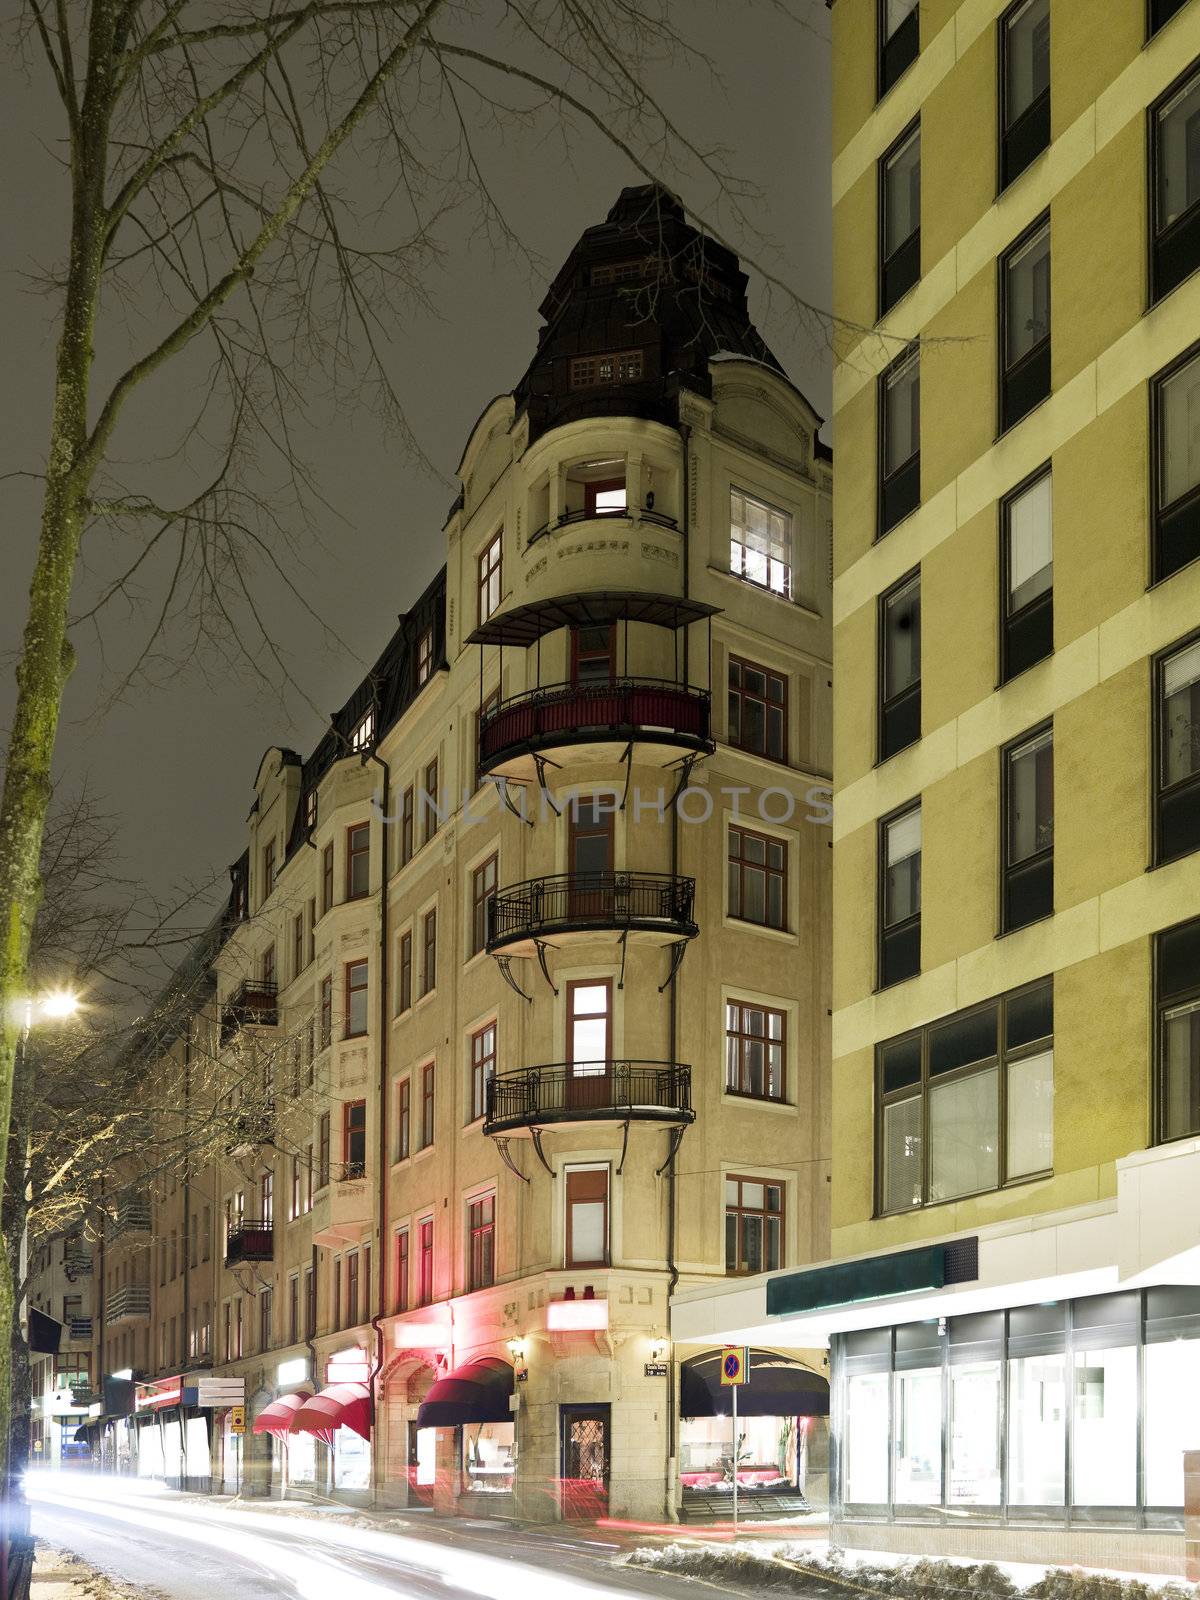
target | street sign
x=656, y=1369
x=735, y=1366
x=214, y=1394
x=237, y=1419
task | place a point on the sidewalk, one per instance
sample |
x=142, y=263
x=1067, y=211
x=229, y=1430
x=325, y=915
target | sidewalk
x=58, y=1575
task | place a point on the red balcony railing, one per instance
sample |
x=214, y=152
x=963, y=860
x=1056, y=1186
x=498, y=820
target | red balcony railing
x=568, y=713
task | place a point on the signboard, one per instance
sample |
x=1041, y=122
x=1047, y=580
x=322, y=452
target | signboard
x=656, y=1369
x=735, y=1366
x=214, y=1394
x=156, y=1396
x=348, y=1366
x=237, y=1419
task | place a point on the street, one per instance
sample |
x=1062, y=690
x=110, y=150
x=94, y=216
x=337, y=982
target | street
x=189, y=1548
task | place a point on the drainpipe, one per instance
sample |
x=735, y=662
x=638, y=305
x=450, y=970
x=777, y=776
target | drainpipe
x=187, y=1237
x=382, y=1253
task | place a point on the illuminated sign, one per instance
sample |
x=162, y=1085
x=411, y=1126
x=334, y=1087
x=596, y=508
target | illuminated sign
x=214, y=1394
x=348, y=1366
x=563, y=1316
x=294, y=1371
x=155, y=1396
x=421, y=1335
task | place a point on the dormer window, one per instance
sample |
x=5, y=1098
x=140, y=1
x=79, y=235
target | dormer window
x=609, y=272
x=364, y=732
x=618, y=366
x=310, y=810
x=425, y=657
x=489, y=577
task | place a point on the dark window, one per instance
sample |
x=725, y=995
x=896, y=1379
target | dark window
x=430, y=801
x=268, y=967
x=356, y=998
x=429, y=952
x=401, y=1301
x=755, y=1050
x=352, y=1289
x=336, y=1295
x=899, y=40
x=358, y=861
x=621, y=366
x=424, y=657
x=753, y=1225
x=293, y=1309
x=587, y=1217
x=1027, y=576
x=1027, y=830
x=593, y=654
x=483, y=887
x=1024, y=86
x=899, y=441
x=589, y=846
x=407, y=812
x=1025, y=325
x=489, y=577
x=967, y=1104
x=483, y=1067
x=403, y=1119
x=1177, y=785
x=354, y=1138
x=427, y=1105
x=1161, y=12
x=1177, y=1004
x=268, y=868
x=264, y=1319
x=310, y=1303
x=326, y=1012
x=900, y=897
x=481, y=1243
x=425, y=1261
x=757, y=878
x=899, y=219
x=326, y=878
x=900, y=666
x=1176, y=420
x=404, y=977
x=312, y=930
x=1175, y=155
x=757, y=709
x=323, y=1149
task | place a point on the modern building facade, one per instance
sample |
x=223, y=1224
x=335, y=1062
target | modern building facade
x=521, y=1009
x=1013, y=1308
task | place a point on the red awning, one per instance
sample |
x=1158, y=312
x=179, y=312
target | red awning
x=277, y=1417
x=342, y=1405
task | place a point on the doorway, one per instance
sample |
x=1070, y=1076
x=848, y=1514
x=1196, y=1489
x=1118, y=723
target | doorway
x=585, y=1456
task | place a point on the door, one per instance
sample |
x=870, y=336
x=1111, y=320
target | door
x=596, y=702
x=589, y=1043
x=590, y=859
x=585, y=1461
x=421, y=1467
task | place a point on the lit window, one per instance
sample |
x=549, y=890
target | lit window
x=364, y=732
x=760, y=543
x=587, y=1216
x=489, y=579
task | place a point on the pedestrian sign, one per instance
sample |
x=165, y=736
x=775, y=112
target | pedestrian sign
x=237, y=1419
x=735, y=1366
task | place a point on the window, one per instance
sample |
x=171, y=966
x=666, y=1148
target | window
x=760, y=543
x=593, y=654
x=310, y=811
x=1024, y=86
x=587, y=1217
x=589, y=846
x=294, y=1308
x=604, y=497
x=899, y=716
x=358, y=861
x=407, y=812
x=429, y=800
x=429, y=952
x=323, y=1150
x=900, y=897
x=1027, y=575
x=899, y=40
x=1176, y=424
x=352, y=1289
x=336, y=1291
x=327, y=878
x=967, y=1104
x=487, y=705
x=753, y=1225
x=266, y=1199
x=237, y=1327
x=757, y=878
x=356, y=999
x=401, y=1293
x=758, y=709
x=294, y=1193
x=483, y=887
x=310, y=1303
x=427, y=1105
x=268, y=967
x=362, y=735
x=403, y=1119
x=755, y=1050
x=308, y=1178
x=298, y=944
x=424, y=657
x=481, y=1243
x=1027, y=829
x=1177, y=796
x=1175, y=158
x=312, y=930
x=621, y=366
x=425, y=1261
x=589, y=1027
x=326, y=1012
x=1177, y=1006
x=309, y=1053
x=268, y=868
x=1161, y=12
x=623, y=271
x=404, y=978
x=264, y=1319
x=899, y=441
x=354, y=1138
x=1025, y=325
x=483, y=1067
x=490, y=589
x=899, y=219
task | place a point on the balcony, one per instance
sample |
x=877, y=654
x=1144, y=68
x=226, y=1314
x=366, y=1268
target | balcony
x=342, y=1209
x=565, y=1094
x=251, y=1129
x=131, y=1303
x=594, y=722
x=648, y=907
x=132, y=1215
x=79, y=1329
x=253, y=1004
x=253, y=1241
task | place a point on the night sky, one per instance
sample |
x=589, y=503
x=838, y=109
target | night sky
x=175, y=763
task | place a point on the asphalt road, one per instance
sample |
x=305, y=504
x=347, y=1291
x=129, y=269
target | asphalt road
x=193, y=1548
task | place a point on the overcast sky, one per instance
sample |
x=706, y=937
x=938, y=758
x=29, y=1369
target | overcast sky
x=176, y=764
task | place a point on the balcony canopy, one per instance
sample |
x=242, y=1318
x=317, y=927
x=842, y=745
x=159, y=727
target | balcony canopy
x=525, y=625
x=479, y=1391
x=778, y=1387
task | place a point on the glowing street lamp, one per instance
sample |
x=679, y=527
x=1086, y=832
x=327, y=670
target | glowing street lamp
x=56, y=1005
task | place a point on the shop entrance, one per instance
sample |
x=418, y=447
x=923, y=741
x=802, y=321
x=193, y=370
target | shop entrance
x=585, y=1455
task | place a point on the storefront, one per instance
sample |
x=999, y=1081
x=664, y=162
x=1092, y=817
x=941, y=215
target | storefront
x=470, y=1410
x=781, y=1446
x=339, y=1417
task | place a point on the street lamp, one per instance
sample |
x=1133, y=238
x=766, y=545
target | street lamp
x=58, y=1003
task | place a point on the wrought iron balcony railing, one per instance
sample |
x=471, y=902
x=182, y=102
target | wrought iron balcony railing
x=581, y=901
x=253, y=1004
x=593, y=1091
x=650, y=709
x=252, y=1241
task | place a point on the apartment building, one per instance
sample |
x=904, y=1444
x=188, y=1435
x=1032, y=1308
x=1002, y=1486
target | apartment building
x=522, y=1002
x=57, y=1311
x=1013, y=1310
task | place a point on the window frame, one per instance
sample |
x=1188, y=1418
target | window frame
x=352, y=1166
x=1158, y=663
x=402, y=1267
x=481, y=1241
x=404, y=973
x=888, y=75
x=886, y=301
x=479, y=1058
x=424, y=657
x=788, y=591
x=404, y=1147
x=914, y=918
x=481, y=893
x=326, y=1009
x=324, y=1149
x=429, y=802
x=885, y=708
x=578, y=1169
x=742, y=694
x=1162, y=1005
x=1009, y=869
x=358, y=852
x=1038, y=354
x=408, y=812
x=1154, y=233
x=357, y=982
x=488, y=569
x=428, y=1124
x=911, y=465
x=426, y=1285
x=1188, y=502
x=1004, y=177
x=429, y=952
x=580, y=655
x=583, y=372
x=744, y=1005
x=327, y=878
x=1032, y=609
x=770, y=874
x=764, y=1212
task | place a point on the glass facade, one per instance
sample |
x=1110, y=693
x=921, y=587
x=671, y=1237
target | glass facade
x=1076, y=1412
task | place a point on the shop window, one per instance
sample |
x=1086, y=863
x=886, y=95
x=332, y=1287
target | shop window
x=489, y=1457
